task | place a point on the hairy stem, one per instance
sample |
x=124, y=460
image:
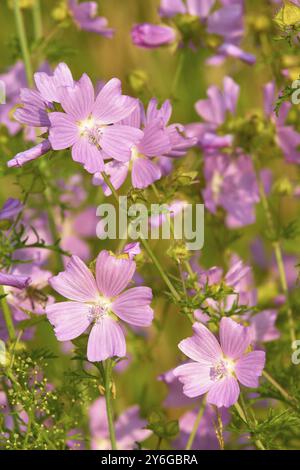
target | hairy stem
x=278, y=387
x=243, y=415
x=23, y=41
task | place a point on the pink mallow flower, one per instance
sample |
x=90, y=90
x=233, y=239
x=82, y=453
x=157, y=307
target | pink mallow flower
x=99, y=302
x=89, y=126
x=217, y=368
x=149, y=35
x=85, y=17
x=130, y=427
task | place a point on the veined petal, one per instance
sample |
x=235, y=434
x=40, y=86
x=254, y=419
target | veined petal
x=202, y=347
x=76, y=282
x=70, y=319
x=234, y=338
x=133, y=306
x=195, y=378
x=110, y=105
x=144, y=172
x=250, y=367
x=63, y=131
x=225, y=393
x=117, y=141
x=106, y=340
x=113, y=274
x=78, y=100
x=88, y=155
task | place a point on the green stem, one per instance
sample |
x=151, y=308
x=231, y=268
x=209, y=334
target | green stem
x=107, y=370
x=278, y=387
x=160, y=269
x=243, y=415
x=278, y=254
x=37, y=20
x=195, y=427
x=146, y=246
x=7, y=316
x=178, y=72
x=23, y=41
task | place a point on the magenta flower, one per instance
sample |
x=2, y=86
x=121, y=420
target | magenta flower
x=216, y=368
x=130, y=428
x=150, y=35
x=99, y=302
x=90, y=126
x=85, y=17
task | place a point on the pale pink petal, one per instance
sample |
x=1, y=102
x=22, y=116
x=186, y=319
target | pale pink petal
x=88, y=155
x=144, y=173
x=195, y=377
x=113, y=274
x=225, y=393
x=234, y=338
x=202, y=347
x=78, y=100
x=106, y=340
x=63, y=131
x=76, y=282
x=48, y=85
x=70, y=319
x=133, y=306
x=110, y=105
x=118, y=140
x=250, y=367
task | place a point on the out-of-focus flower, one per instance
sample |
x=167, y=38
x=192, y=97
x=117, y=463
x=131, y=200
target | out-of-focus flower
x=287, y=138
x=150, y=35
x=99, y=303
x=14, y=280
x=205, y=438
x=231, y=184
x=11, y=208
x=85, y=17
x=218, y=367
x=199, y=23
x=129, y=427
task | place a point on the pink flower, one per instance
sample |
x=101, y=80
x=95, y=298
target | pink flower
x=218, y=367
x=89, y=126
x=130, y=427
x=151, y=35
x=99, y=302
x=85, y=16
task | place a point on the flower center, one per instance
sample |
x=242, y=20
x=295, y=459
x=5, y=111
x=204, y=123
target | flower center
x=91, y=129
x=224, y=368
x=99, y=310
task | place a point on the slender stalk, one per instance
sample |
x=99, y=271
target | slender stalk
x=177, y=74
x=243, y=415
x=107, y=370
x=278, y=255
x=23, y=41
x=146, y=246
x=7, y=316
x=195, y=427
x=160, y=269
x=278, y=387
x=37, y=20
